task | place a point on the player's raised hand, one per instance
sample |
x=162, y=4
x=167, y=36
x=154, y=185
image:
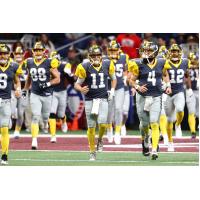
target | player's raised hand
x=143, y=88
x=85, y=89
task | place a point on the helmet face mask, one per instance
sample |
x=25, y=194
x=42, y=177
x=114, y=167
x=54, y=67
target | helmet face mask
x=95, y=55
x=113, y=54
x=113, y=50
x=19, y=54
x=175, y=53
x=38, y=51
x=148, y=51
x=4, y=54
x=95, y=60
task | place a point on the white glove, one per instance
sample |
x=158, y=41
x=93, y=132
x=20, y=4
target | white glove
x=111, y=94
x=189, y=93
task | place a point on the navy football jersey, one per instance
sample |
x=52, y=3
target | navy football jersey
x=152, y=76
x=194, y=76
x=97, y=81
x=120, y=67
x=24, y=76
x=39, y=73
x=176, y=74
x=63, y=80
x=7, y=75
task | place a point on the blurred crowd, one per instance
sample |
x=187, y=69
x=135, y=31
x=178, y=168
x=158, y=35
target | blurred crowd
x=73, y=46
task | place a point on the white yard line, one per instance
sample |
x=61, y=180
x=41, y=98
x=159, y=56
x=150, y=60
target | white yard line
x=69, y=151
x=85, y=136
x=100, y=161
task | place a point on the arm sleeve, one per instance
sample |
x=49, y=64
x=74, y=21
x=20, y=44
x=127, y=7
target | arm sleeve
x=80, y=72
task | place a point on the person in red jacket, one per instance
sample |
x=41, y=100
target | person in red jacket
x=129, y=42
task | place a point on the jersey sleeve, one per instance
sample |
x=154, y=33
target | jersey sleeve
x=111, y=69
x=166, y=66
x=54, y=63
x=19, y=70
x=133, y=67
x=80, y=72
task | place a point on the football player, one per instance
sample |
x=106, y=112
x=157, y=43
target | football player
x=163, y=118
x=59, y=101
x=178, y=67
x=149, y=71
x=92, y=82
x=42, y=75
x=193, y=101
x=21, y=103
x=9, y=72
x=121, y=63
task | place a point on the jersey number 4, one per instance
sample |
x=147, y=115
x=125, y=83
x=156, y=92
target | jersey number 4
x=39, y=73
x=3, y=81
x=152, y=78
x=94, y=81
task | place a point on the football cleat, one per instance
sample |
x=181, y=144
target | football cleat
x=16, y=134
x=161, y=138
x=123, y=130
x=110, y=135
x=4, y=159
x=100, y=145
x=64, y=127
x=117, y=139
x=170, y=147
x=166, y=140
x=53, y=139
x=34, y=144
x=92, y=156
x=145, y=148
x=193, y=135
x=178, y=131
x=154, y=155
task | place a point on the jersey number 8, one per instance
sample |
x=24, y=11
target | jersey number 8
x=3, y=81
x=39, y=73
